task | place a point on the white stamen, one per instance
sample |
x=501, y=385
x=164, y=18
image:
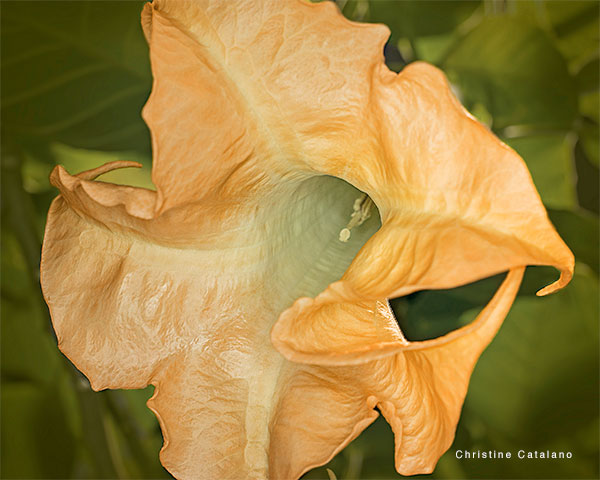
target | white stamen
x=344, y=235
x=361, y=207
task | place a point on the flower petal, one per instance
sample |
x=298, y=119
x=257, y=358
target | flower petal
x=132, y=306
x=210, y=428
x=334, y=330
x=256, y=106
x=83, y=269
x=123, y=294
x=233, y=78
x=457, y=204
x=424, y=415
x=419, y=387
x=444, y=185
x=320, y=411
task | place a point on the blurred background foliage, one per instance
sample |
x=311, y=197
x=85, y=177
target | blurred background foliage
x=74, y=78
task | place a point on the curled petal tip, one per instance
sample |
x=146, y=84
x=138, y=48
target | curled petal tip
x=107, y=167
x=60, y=178
x=565, y=277
x=57, y=176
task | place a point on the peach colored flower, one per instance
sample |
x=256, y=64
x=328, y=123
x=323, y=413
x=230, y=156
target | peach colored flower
x=243, y=288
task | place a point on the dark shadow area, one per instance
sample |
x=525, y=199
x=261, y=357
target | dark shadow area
x=430, y=314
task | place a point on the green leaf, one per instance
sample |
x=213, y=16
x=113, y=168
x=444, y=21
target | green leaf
x=513, y=68
x=76, y=72
x=36, y=441
x=575, y=25
x=590, y=142
x=589, y=103
x=433, y=313
x=588, y=178
x=433, y=48
x=588, y=76
x=579, y=229
x=536, y=386
x=416, y=19
x=28, y=349
x=550, y=161
x=135, y=433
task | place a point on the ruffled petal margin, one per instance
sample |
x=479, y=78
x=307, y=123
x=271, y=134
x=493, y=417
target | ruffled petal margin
x=175, y=287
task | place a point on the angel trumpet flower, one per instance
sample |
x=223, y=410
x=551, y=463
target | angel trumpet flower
x=300, y=184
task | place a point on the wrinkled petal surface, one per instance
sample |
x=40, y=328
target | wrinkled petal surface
x=270, y=341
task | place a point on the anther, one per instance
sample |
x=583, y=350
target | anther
x=361, y=207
